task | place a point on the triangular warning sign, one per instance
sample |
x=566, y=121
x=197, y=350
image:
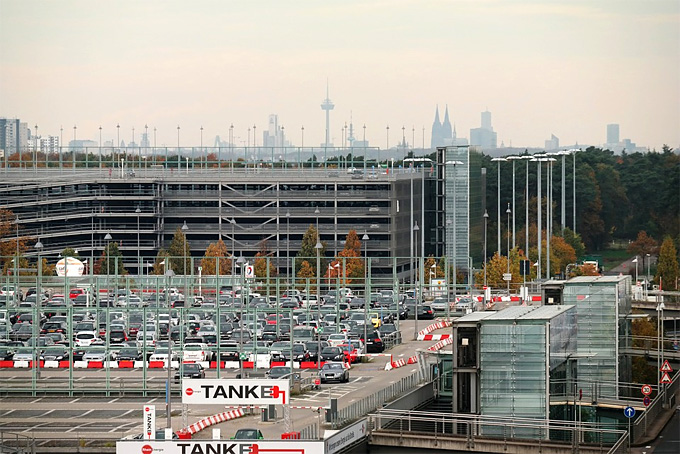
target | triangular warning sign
x=665, y=378
x=666, y=367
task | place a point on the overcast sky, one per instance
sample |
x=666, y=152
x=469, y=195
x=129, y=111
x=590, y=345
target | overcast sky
x=563, y=67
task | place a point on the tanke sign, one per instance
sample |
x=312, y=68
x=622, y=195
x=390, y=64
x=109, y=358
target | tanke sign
x=235, y=392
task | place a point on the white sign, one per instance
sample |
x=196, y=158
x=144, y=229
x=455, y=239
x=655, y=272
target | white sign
x=250, y=271
x=221, y=447
x=346, y=437
x=235, y=392
x=73, y=268
x=149, y=422
x=507, y=276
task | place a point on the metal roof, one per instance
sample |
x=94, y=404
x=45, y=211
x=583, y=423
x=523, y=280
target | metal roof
x=518, y=313
x=596, y=279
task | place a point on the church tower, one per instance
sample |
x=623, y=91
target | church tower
x=436, y=140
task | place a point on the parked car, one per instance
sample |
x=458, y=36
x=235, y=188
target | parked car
x=189, y=370
x=248, y=434
x=196, y=352
x=374, y=343
x=55, y=353
x=129, y=354
x=334, y=372
x=332, y=354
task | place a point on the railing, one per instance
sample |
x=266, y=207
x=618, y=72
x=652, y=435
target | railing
x=664, y=399
x=14, y=443
x=370, y=403
x=474, y=427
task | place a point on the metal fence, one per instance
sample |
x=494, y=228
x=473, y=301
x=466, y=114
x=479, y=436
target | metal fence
x=370, y=403
x=14, y=443
x=510, y=430
x=665, y=398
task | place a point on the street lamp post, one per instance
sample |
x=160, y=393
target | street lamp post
x=513, y=159
x=38, y=300
x=185, y=228
x=288, y=247
x=508, y=258
x=486, y=221
x=415, y=295
x=649, y=259
x=365, y=239
x=168, y=276
x=318, y=247
x=137, y=212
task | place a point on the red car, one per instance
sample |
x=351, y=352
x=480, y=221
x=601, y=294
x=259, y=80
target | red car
x=74, y=292
x=351, y=353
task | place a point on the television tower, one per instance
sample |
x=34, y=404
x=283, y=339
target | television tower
x=327, y=105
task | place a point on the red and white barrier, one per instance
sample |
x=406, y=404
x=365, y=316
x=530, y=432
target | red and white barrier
x=424, y=334
x=214, y=419
x=414, y=359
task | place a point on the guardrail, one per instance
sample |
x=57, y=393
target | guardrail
x=664, y=399
x=473, y=428
x=14, y=443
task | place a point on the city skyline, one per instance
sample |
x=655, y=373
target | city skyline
x=542, y=68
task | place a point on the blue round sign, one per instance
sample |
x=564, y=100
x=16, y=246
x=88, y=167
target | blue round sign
x=629, y=412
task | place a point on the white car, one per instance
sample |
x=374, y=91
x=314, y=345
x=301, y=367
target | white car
x=162, y=355
x=196, y=352
x=336, y=340
x=87, y=338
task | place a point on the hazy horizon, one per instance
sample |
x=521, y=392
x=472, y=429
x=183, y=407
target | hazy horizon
x=541, y=67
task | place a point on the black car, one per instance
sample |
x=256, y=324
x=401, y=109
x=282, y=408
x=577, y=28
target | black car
x=374, y=343
x=425, y=313
x=129, y=354
x=332, y=354
x=190, y=370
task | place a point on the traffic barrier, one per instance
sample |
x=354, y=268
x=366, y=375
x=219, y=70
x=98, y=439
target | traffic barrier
x=434, y=326
x=95, y=364
x=290, y=436
x=6, y=364
x=126, y=364
x=433, y=337
x=156, y=364
x=214, y=419
x=414, y=359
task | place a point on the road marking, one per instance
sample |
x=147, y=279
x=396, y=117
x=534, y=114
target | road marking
x=75, y=400
x=35, y=401
x=44, y=414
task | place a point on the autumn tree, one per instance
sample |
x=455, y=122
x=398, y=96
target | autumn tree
x=179, y=253
x=264, y=266
x=216, y=256
x=10, y=241
x=308, y=251
x=159, y=264
x=643, y=245
x=348, y=265
x=497, y=266
x=667, y=269
x=70, y=252
x=306, y=272
x=575, y=241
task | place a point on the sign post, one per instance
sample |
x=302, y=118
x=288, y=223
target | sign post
x=629, y=412
x=149, y=422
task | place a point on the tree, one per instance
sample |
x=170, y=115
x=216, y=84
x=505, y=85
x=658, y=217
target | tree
x=667, y=269
x=264, y=265
x=561, y=255
x=643, y=245
x=216, y=253
x=348, y=261
x=179, y=253
x=111, y=261
x=575, y=241
x=159, y=264
x=308, y=251
x=70, y=252
x=10, y=242
x=305, y=272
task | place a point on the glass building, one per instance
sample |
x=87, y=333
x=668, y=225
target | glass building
x=603, y=304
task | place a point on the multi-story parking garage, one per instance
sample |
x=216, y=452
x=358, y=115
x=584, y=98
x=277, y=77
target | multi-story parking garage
x=78, y=207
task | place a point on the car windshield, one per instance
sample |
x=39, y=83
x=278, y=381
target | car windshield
x=333, y=366
x=191, y=367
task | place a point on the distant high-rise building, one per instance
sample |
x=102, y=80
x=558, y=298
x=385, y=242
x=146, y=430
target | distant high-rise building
x=274, y=135
x=613, y=133
x=13, y=135
x=49, y=144
x=484, y=137
x=327, y=105
x=553, y=143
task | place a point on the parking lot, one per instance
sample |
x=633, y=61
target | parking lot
x=105, y=389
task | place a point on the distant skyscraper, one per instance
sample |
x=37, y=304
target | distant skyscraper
x=613, y=133
x=553, y=143
x=273, y=136
x=327, y=105
x=484, y=137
